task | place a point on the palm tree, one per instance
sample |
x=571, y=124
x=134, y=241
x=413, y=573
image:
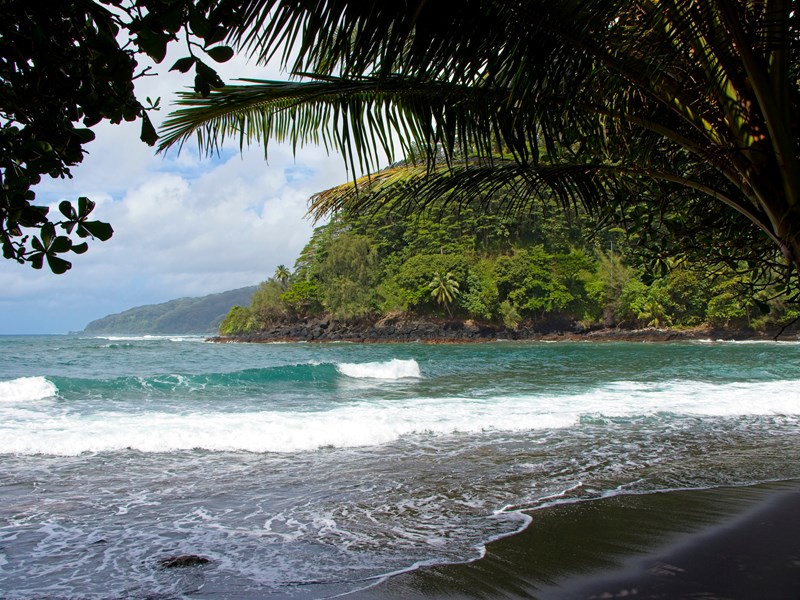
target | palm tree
x=625, y=106
x=654, y=313
x=282, y=274
x=444, y=289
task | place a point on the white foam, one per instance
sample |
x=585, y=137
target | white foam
x=763, y=342
x=628, y=398
x=392, y=369
x=150, y=338
x=27, y=389
x=370, y=423
x=352, y=425
x=127, y=338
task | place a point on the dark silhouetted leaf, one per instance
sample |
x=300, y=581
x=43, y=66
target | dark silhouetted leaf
x=183, y=64
x=99, y=229
x=85, y=207
x=37, y=260
x=58, y=265
x=148, y=135
x=61, y=244
x=220, y=54
x=67, y=209
x=85, y=135
x=215, y=36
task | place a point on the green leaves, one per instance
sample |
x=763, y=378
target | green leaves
x=78, y=220
x=48, y=245
x=532, y=270
x=444, y=289
x=98, y=229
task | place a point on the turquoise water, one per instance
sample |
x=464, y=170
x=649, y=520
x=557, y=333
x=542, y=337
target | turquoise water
x=307, y=470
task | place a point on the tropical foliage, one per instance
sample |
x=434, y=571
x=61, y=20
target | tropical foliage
x=676, y=118
x=282, y=274
x=444, y=289
x=547, y=271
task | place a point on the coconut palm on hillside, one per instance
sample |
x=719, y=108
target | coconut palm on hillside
x=444, y=289
x=282, y=274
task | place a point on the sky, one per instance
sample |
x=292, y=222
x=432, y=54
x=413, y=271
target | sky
x=184, y=224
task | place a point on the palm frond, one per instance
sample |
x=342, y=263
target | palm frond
x=361, y=118
x=593, y=187
x=355, y=38
x=409, y=188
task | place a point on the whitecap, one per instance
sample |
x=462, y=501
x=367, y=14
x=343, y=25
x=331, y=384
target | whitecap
x=152, y=338
x=392, y=369
x=27, y=389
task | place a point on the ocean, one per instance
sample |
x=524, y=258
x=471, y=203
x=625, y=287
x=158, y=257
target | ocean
x=316, y=470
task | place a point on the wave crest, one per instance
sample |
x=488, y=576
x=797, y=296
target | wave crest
x=392, y=369
x=27, y=389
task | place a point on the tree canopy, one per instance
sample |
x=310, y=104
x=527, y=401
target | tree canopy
x=678, y=119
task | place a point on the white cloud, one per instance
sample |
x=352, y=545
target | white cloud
x=184, y=225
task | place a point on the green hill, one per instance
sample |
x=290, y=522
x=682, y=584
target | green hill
x=184, y=315
x=545, y=270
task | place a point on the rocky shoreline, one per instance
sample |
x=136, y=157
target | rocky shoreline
x=399, y=329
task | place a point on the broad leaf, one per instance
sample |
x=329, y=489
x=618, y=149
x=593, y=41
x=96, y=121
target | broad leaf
x=183, y=64
x=58, y=265
x=99, y=229
x=220, y=54
x=148, y=135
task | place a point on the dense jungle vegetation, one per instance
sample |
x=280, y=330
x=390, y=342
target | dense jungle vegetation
x=548, y=270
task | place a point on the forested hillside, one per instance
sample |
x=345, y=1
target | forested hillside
x=185, y=315
x=547, y=271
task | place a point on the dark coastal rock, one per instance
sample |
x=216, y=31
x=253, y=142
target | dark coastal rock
x=182, y=560
x=404, y=328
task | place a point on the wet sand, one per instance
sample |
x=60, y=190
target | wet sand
x=723, y=543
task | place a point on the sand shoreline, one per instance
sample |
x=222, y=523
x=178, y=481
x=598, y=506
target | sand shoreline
x=736, y=542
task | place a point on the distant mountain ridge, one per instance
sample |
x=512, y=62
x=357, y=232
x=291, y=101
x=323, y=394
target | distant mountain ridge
x=183, y=315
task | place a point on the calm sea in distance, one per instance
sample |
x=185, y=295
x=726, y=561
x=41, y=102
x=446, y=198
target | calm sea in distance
x=313, y=470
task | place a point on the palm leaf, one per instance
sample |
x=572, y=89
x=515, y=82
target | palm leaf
x=360, y=118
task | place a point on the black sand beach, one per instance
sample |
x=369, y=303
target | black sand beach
x=723, y=543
